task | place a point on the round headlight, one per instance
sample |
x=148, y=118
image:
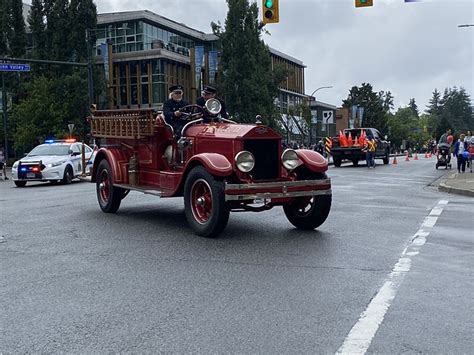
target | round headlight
x=213, y=106
x=245, y=161
x=289, y=159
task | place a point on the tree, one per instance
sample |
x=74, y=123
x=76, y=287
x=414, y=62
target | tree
x=246, y=78
x=434, y=107
x=83, y=14
x=17, y=36
x=387, y=100
x=52, y=103
x=5, y=7
x=374, y=112
x=37, y=28
x=413, y=107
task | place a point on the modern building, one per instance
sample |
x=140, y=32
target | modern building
x=144, y=53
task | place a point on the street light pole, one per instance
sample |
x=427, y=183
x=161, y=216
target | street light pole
x=322, y=87
x=90, y=78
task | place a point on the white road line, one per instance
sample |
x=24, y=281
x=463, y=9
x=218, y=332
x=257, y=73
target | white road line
x=362, y=333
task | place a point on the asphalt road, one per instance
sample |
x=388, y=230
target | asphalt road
x=391, y=271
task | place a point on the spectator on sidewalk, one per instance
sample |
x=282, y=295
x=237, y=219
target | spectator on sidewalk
x=459, y=148
x=3, y=165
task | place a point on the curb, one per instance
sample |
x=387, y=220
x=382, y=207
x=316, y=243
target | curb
x=454, y=190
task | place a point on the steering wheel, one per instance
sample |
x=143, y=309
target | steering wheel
x=191, y=112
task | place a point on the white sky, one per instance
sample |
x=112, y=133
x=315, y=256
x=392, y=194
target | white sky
x=407, y=48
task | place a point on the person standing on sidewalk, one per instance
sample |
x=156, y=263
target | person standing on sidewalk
x=3, y=165
x=459, y=148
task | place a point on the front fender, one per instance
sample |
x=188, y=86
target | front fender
x=215, y=163
x=313, y=160
x=115, y=156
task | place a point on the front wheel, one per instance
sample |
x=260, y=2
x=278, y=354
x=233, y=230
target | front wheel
x=337, y=162
x=68, y=175
x=204, y=203
x=108, y=195
x=308, y=212
x=20, y=183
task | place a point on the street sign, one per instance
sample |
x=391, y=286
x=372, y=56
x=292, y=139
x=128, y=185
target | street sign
x=328, y=116
x=14, y=67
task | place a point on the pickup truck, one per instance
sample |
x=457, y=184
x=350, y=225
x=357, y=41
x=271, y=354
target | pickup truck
x=349, y=146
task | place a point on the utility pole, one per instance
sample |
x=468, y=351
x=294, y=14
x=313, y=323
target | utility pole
x=5, y=117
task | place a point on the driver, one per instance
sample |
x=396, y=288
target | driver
x=171, y=109
x=210, y=93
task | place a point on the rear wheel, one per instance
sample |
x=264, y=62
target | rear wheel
x=109, y=196
x=308, y=212
x=204, y=203
x=20, y=183
x=337, y=162
x=355, y=162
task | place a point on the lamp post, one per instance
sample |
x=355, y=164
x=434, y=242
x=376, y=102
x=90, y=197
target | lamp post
x=320, y=88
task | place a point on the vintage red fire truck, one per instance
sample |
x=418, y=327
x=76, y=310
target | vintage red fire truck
x=217, y=165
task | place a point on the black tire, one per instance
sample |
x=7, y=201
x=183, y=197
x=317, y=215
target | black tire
x=68, y=175
x=337, y=162
x=109, y=196
x=310, y=218
x=20, y=183
x=204, y=203
x=386, y=159
x=355, y=162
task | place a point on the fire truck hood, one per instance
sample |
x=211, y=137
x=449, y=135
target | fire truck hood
x=232, y=131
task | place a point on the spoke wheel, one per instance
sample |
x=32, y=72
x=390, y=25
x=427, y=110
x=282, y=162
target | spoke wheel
x=204, y=203
x=201, y=201
x=109, y=196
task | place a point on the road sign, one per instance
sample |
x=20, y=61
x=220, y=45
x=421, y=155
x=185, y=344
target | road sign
x=14, y=67
x=328, y=116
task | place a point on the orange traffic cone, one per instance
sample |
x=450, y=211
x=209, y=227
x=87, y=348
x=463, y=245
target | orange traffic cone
x=394, y=162
x=416, y=157
x=426, y=155
x=407, y=158
x=429, y=156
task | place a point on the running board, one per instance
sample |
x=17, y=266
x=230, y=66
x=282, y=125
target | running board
x=148, y=191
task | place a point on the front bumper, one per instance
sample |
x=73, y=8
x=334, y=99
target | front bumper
x=47, y=174
x=274, y=190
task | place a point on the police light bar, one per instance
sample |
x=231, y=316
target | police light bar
x=70, y=140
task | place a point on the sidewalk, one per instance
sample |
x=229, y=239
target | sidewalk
x=461, y=184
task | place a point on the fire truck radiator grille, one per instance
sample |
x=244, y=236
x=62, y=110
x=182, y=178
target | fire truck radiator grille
x=267, y=159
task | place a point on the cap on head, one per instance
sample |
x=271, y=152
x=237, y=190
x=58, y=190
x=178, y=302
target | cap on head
x=174, y=88
x=209, y=90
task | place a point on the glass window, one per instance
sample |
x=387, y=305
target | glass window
x=145, y=100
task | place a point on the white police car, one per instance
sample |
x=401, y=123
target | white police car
x=53, y=161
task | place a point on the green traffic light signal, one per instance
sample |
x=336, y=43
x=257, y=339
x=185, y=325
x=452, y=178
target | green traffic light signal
x=270, y=11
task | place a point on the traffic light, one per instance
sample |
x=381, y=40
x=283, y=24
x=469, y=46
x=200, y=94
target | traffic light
x=364, y=3
x=270, y=11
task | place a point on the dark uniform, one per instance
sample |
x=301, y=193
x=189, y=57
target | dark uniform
x=170, y=107
x=210, y=92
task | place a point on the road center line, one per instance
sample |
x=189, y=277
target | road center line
x=362, y=333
